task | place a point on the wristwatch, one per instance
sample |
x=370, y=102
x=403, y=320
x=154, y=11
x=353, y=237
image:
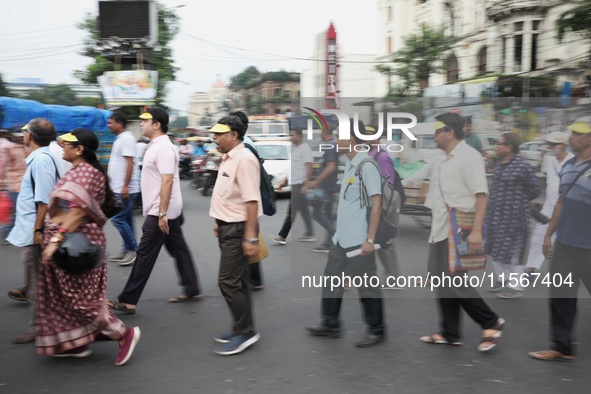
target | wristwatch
x=161, y=214
x=253, y=241
x=370, y=241
x=38, y=230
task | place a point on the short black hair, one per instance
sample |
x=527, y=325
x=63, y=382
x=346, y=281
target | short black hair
x=119, y=118
x=242, y=116
x=361, y=131
x=297, y=131
x=455, y=121
x=512, y=140
x=42, y=131
x=235, y=124
x=160, y=116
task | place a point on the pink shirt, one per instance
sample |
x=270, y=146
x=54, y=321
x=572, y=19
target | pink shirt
x=238, y=182
x=160, y=158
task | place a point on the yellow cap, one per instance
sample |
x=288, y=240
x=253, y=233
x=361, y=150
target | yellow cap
x=220, y=128
x=146, y=115
x=25, y=127
x=581, y=125
x=68, y=138
x=439, y=125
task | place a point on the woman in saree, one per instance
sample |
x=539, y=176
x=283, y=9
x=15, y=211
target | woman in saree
x=73, y=309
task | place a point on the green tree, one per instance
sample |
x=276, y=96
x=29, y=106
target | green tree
x=245, y=79
x=3, y=89
x=60, y=94
x=577, y=20
x=160, y=57
x=423, y=55
x=180, y=122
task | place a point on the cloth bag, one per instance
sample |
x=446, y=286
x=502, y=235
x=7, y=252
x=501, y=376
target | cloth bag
x=6, y=207
x=263, y=251
x=460, y=226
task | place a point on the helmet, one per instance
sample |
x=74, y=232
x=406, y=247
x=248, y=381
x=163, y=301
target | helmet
x=77, y=255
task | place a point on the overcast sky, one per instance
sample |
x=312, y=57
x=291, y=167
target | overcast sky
x=39, y=38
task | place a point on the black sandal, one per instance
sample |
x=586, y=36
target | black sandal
x=120, y=307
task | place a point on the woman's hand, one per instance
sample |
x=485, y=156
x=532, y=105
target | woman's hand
x=48, y=252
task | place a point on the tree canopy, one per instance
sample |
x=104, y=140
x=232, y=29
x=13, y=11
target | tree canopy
x=245, y=79
x=3, y=89
x=423, y=54
x=60, y=94
x=160, y=58
x=577, y=20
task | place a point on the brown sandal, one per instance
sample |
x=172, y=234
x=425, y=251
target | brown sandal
x=550, y=355
x=184, y=298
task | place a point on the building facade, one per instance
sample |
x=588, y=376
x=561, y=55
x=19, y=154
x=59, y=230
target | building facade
x=205, y=108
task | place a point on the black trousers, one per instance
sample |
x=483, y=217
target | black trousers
x=147, y=254
x=576, y=262
x=298, y=203
x=452, y=298
x=233, y=277
x=369, y=297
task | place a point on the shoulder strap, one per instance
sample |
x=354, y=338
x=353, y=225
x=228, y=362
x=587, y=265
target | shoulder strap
x=363, y=197
x=254, y=152
x=57, y=175
x=576, y=179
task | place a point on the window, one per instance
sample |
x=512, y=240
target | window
x=389, y=45
x=482, y=61
x=452, y=68
x=518, y=53
x=518, y=26
x=534, y=52
x=536, y=25
x=273, y=152
x=286, y=94
x=277, y=92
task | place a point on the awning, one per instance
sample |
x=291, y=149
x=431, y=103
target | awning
x=481, y=80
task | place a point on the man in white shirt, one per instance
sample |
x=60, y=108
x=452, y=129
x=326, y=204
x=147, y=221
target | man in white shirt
x=125, y=182
x=301, y=172
x=461, y=185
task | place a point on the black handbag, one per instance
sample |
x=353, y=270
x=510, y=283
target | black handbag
x=77, y=255
x=112, y=205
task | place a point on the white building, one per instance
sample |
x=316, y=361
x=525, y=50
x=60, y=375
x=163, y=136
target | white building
x=496, y=36
x=208, y=105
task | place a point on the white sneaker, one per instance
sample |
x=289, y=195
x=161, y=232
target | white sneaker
x=278, y=239
x=128, y=259
x=116, y=258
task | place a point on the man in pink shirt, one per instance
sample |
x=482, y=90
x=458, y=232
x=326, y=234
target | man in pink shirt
x=236, y=206
x=163, y=203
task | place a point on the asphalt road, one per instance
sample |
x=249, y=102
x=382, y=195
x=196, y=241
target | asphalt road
x=175, y=353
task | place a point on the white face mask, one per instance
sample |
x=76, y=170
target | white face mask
x=552, y=150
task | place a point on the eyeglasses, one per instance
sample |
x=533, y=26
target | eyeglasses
x=72, y=144
x=441, y=130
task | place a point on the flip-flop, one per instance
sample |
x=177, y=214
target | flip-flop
x=120, y=307
x=434, y=341
x=492, y=340
x=184, y=298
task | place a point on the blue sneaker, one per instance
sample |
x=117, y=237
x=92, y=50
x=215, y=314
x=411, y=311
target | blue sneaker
x=238, y=344
x=224, y=338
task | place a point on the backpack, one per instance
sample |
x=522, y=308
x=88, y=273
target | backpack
x=397, y=181
x=267, y=191
x=391, y=203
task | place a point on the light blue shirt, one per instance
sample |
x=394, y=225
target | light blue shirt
x=351, y=229
x=41, y=164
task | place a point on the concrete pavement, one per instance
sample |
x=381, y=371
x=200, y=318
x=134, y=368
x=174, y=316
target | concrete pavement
x=175, y=353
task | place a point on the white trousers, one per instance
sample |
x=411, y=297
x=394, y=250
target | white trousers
x=536, y=258
x=506, y=270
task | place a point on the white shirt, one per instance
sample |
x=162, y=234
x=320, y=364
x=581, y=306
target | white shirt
x=58, y=152
x=301, y=155
x=553, y=168
x=461, y=176
x=123, y=147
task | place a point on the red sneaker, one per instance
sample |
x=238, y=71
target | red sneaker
x=132, y=337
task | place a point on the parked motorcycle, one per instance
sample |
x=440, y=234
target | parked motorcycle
x=185, y=166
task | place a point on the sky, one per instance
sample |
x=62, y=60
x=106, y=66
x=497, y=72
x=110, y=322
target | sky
x=39, y=38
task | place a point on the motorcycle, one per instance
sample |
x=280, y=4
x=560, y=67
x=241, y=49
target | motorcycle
x=185, y=166
x=205, y=171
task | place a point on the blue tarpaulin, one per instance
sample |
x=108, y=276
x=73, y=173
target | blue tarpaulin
x=15, y=113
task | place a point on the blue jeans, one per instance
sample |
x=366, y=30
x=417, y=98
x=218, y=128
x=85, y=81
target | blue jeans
x=123, y=222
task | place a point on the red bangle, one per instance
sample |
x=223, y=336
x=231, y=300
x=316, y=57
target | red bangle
x=62, y=230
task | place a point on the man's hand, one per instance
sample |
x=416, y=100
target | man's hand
x=366, y=248
x=250, y=249
x=475, y=242
x=308, y=185
x=163, y=225
x=216, y=230
x=547, y=247
x=125, y=192
x=38, y=238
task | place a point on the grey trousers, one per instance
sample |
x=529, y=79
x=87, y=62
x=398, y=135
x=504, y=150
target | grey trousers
x=31, y=257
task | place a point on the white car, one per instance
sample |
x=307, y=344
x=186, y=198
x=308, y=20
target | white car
x=277, y=156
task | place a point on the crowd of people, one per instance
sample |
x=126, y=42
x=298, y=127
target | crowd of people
x=59, y=188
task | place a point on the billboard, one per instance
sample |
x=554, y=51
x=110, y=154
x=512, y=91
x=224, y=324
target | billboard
x=134, y=87
x=115, y=18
